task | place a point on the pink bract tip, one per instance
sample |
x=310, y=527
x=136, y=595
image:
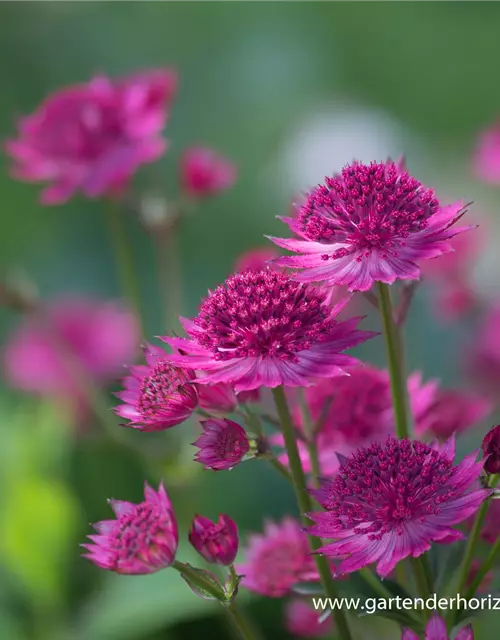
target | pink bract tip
x=436, y=630
x=256, y=259
x=216, y=542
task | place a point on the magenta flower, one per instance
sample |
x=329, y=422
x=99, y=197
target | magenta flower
x=218, y=398
x=205, y=173
x=93, y=137
x=256, y=259
x=390, y=501
x=486, y=159
x=223, y=444
x=491, y=450
x=217, y=542
x=354, y=411
x=277, y=559
x=370, y=223
x=452, y=412
x=97, y=336
x=303, y=621
x=142, y=539
x=157, y=395
x=260, y=328
x=436, y=630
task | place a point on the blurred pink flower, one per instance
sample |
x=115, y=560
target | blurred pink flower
x=223, y=444
x=486, y=160
x=371, y=223
x=142, y=539
x=93, y=137
x=157, y=395
x=455, y=299
x=483, y=357
x=436, y=630
x=256, y=259
x=485, y=582
x=277, y=559
x=393, y=500
x=216, y=542
x=303, y=621
x=451, y=412
x=205, y=173
x=98, y=337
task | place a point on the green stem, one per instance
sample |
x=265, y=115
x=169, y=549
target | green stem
x=240, y=621
x=169, y=276
x=254, y=423
x=486, y=566
x=423, y=577
x=378, y=586
x=312, y=449
x=124, y=259
x=394, y=360
x=471, y=543
x=305, y=506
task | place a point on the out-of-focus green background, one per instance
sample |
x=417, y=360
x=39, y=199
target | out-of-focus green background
x=289, y=92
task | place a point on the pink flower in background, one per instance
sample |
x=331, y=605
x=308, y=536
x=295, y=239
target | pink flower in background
x=483, y=357
x=453, y=300
x=218, y=398
x=206, y=173
x=436, y=630
x=491, y=450
x=256, y=259
x=45, y=353
x=491, y=528
x=486, y=161
x=217, y=542
x=354, y=411
x=260, y=328
x=370, y=223
x=277, y=559
x=157, y=395
x=142, y=539
x=452, y=411
x=93, y=137
x=390, y=501
x=485, y=582
x=302, y=620
x=223, y=444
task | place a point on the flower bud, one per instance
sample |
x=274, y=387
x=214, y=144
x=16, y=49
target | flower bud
x=217, y=542
x=491, y=450
x=223, y=444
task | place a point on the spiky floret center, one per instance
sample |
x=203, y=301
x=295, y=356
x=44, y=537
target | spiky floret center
x=366, y=207
x=164, y=384
x=139, y=532
x=262, y=313
x=229, y=443
x=381, y=487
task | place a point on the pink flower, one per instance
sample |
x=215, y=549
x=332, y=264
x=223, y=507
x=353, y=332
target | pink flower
x=370, y=223
x=491, y=528
x=223, y=444
x=486, y=160
x=217, y=542
x=452, y=412
x=354, y=411
x=390, y=501
x=219, y=398
x=485, y=582
x=302, y=620
x=453, y=300
x=260, y=328
x=157, y=395
x=93, y=336
x=483, y=358
x=205, y=173
x=277, y=559
x=436, y=630
x=491, y=450
x=256, y=259
x=142, y=539
x=93, y=137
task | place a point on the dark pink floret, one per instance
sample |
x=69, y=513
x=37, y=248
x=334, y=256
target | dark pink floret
x=223, y=444
x=217, y=542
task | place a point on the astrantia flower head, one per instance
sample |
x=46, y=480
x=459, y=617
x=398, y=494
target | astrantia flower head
x=390, y=501
x=487, y=155
x=302, y=620
x=277, y=559
x=206, y=173
x=261, y=328
x=142, y=539
x=157, y=395
x=369, y=223
x=92, y=137
x=491, y=450
x=223, y=444
x=436, y=630
x=217, y=542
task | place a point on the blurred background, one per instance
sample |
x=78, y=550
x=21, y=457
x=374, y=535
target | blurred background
x=288, y=92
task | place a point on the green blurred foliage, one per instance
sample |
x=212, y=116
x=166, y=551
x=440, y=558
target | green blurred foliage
x=250, y=74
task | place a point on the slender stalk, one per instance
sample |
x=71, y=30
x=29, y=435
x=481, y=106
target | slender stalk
x=378, y=586
x=486, y=566
x=305, y=506
x=240, y=621
x=471, y=543
x=395, y=361
x=312, y=449
x=169, y=275
x=124, y=259
x=423, y=578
